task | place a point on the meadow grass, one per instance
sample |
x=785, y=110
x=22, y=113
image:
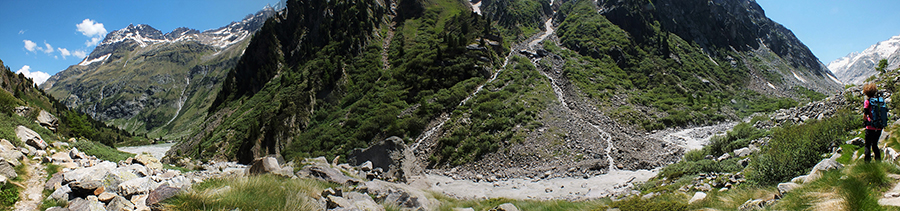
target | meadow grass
x=265, y=192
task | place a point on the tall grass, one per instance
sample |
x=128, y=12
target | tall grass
x=263, y=192
x=101, y=151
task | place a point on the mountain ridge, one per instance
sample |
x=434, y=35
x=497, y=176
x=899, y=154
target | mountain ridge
x=856, y=67
x=142, y=80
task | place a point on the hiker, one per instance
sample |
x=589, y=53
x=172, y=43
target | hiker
x=873, y=120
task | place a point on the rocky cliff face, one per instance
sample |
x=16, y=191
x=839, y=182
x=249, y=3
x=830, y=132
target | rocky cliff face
x=722, y=26
x=146, y=81
x=856, y=67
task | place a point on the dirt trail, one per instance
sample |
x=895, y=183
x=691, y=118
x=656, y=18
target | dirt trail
x=34, y=186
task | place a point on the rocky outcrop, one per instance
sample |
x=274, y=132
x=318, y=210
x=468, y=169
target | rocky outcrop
x=30, y=137
x=48, y=120
x=386, y=154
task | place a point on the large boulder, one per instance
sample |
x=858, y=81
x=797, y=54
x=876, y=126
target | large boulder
x=402, y=195
x=330, y=174
x=385, y=154
x=12, y=156
x=264, y=165
x=48, y=120
x=786, y=187
x=161, y=193
x=6, y=145
x=120, y=203
x=148, y=160
x=93, y=173
x=141, y=185
x=824, y=165
x=30, y=137
x=7, y=170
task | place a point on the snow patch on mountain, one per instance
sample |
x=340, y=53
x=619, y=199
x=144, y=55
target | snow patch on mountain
x=88, y=62
x=856, y=67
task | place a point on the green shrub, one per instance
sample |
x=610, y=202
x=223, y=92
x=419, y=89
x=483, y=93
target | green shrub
x=683, y=168
x=9, y=194
x=795, y=148
x=738, y=137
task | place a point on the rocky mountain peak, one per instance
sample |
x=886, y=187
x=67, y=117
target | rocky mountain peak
x=856, y=67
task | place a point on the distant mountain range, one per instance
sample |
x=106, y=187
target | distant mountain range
x=146, y=81
x=856, y=67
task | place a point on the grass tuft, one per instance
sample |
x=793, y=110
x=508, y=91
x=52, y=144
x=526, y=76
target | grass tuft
x=265, y=192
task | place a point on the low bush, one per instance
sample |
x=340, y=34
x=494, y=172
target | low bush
x=795, y=148
x=701, y=166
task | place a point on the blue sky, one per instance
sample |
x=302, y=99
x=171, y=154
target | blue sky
x=835, y=28
x=68, y=27
x=831, y=28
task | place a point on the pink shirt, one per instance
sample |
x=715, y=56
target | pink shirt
x=866, y=106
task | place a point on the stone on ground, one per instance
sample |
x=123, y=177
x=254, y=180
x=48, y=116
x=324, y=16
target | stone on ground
x=30, y=137
x=264, y=165
x=786, y=187
x=7, y=170
x=148, y=160
x=697, y=197
x=120, y=203
x=506, y=207
x=161, y=193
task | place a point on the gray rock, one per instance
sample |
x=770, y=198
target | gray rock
x=3, y=180
x=61, y=157
x=824, y=165
x=723, y=157
x=48, y=120
x=137, y=186
x=75, y=154
x=697, y=197
x=12, y=156
x=506, y=207
x=161, y=193
x=362, y=201
x=84, y=188
x=786, y=187
x=5, y=145
x=366, y=166
x=264, y=165
x=148, y=160
x=405, y=196
x=115, y=177
x=30, y=137
x=7, y=170
x=59, y=144
x=331, y=175
x=742, y=152
x=61, y=193
x=463, y=209
x=799, y=179
x=333, y=202
x=120, y=203
x=93, y=173
x=385, y=154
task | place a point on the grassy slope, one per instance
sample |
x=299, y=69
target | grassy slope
x=157, y=73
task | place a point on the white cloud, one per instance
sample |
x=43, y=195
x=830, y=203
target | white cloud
x=22, y=31
x=93, y=41
x=79, y=53
x=48, y=49
x=30, y=46
x=91, y=29
x=37, y=76
x=64, y=52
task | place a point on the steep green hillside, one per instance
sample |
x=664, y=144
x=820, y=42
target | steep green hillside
x=314, y=85
x=17, y=90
